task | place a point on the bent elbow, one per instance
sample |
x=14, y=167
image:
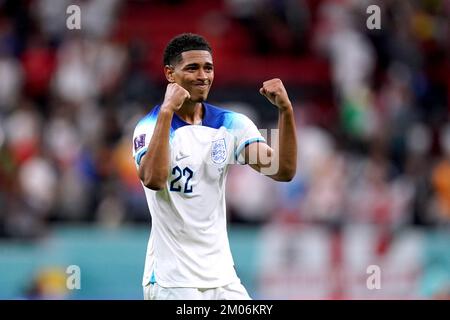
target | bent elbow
x=288, y=178
x=285, y=175
x=151, y=178
x=285, y=178
x=154, y=183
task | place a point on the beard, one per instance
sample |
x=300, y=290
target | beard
x=199, y=98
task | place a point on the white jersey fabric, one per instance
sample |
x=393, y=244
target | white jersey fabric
x=188, y=245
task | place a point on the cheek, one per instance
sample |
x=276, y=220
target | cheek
x=183, y=79
x=184, y=83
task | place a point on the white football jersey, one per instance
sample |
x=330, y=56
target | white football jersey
x=188, y=245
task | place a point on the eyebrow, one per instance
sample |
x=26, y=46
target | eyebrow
x=208, y=64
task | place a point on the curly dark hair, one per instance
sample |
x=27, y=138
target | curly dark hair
x=181, y=43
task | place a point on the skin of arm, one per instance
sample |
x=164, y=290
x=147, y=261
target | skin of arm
x=284, y=155
x=154, y=167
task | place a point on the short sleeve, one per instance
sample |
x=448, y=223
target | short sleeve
x=141, y=138
x=245, y=133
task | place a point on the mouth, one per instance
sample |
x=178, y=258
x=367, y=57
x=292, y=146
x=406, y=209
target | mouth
x=202, y=86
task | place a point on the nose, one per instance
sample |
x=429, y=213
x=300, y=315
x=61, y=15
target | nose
x=202, y=75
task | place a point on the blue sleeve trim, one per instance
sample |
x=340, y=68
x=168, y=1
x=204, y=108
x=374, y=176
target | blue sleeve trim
x=246, y=143
x=139, y=156
x=152, y=278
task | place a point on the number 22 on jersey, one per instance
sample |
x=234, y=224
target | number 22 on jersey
x=175, y=184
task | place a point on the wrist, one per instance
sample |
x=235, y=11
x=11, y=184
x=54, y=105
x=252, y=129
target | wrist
x=167, y=108
x=286, y=107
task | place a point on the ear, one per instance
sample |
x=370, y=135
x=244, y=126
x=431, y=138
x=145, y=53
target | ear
x=168, y=71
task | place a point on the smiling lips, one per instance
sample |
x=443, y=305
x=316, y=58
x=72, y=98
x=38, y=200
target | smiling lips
x=202, y=85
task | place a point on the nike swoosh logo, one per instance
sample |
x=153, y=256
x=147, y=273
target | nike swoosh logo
x=181, y=156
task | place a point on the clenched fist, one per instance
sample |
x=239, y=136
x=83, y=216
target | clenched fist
x=275, y=92
x=175, y=96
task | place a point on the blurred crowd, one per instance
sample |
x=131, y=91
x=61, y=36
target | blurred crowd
x=385, y=156
x=69, y=102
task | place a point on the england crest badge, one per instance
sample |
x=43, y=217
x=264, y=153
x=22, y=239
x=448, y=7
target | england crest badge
x=218, y=151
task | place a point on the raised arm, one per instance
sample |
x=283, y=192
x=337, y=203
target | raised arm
x=154, y=167
x=279, y=162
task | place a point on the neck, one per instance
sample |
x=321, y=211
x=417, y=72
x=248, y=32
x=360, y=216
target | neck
x=191, y=112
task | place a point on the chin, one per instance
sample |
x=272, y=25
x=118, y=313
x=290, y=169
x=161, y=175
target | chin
x=199, y=99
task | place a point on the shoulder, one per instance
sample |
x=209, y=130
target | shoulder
x=217, y=117
x=148, y=120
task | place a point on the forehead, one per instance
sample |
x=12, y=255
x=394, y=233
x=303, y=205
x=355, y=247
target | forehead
x=195, y=56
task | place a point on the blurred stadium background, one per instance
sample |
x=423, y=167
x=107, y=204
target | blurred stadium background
x=372, y=107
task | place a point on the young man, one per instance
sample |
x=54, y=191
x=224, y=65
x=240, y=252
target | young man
x=182, y=150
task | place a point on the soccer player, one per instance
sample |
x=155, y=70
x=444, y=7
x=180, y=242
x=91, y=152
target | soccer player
x=183, y=149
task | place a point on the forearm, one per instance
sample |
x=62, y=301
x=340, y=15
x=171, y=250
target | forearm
x=283, y=154
x=154, y=167
x=286, y=148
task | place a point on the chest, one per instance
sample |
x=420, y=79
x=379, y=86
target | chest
x=199, y=158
